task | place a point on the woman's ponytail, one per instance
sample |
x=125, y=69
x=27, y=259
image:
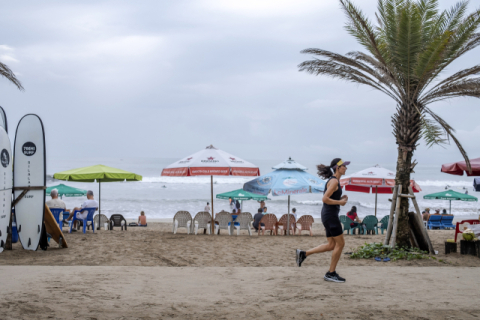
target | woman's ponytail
x=326, y=172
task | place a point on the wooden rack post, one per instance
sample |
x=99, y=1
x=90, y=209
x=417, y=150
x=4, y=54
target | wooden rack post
x=390, y=218
x=418, y=216
x=395, y=221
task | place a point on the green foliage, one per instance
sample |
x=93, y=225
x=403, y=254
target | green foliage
x=372, y=250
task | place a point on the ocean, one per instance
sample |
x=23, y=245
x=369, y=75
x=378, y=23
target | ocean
x=160, y=197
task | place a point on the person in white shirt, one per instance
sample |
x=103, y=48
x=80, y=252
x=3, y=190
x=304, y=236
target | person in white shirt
x=207, y=207
x=90, y=203
x=294, y=213
x=55, y=202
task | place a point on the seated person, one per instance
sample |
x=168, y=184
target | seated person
x=256, y=219
x=426, y=214
x=444, y=212
x=89, y=203
x=294, y=213
x=437, y=213
x=142, y=220
x=352, y=214
x=265, y=210
x=55, y=203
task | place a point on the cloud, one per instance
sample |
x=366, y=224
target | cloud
x=168, y=78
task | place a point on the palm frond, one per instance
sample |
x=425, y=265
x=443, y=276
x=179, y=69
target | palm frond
x=449, y=131
x=356, y=63
x=341, y=71
x=461, y=88
x=432, y=133
x=361, y=28
x=7, y=73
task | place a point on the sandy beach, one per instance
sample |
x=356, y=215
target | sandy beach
x=149, y=273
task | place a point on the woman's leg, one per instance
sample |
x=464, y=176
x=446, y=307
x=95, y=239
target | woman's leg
x=339, y=242
x=324, y=247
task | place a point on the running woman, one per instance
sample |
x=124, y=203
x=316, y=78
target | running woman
x=332, y=200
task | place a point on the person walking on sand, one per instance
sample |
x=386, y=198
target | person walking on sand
x=332, y=200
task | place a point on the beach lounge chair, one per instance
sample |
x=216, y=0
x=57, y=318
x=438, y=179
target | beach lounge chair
x=384, y=223
x=457, y=228
x=203, y=220
x=57, y=213
x=304, y=223
x=346, y=221
x=371, y=224
x=182, y=219
x=447, y=222
x=270, y=223
x=101, y=223
x=434, y=222
x=244, y=222
x=91, y=212
x=116, y=221
x=225, y=221
x=282, y=223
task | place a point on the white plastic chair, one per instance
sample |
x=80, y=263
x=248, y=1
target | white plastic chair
x=202, y=220
x=223, y=218
x=182, y=219
x=245, y=220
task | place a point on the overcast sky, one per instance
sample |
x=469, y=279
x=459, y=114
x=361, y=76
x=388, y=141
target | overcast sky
x=167, y=78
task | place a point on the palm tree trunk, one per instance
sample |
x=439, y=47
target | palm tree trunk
x=404, y=163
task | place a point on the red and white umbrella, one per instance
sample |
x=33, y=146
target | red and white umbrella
x=457, y=168
x=211, y=162
x=374, y=179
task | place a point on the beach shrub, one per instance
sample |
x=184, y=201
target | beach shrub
x=372, y=250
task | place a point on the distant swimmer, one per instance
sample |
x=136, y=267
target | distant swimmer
x=164, y=186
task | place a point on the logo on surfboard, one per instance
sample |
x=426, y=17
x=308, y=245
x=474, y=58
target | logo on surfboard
x=4, y=158
x=29, y=148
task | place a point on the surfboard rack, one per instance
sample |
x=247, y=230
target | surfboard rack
x=24, y=192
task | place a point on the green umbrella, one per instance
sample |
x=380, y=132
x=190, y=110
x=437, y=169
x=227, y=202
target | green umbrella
x=66, y=191
x=450, y=195
x=98, y=173
x=240, y=194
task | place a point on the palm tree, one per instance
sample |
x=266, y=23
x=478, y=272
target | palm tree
x=406, y=51
x=7, y=73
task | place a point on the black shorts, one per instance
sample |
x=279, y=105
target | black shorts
x=332, y=225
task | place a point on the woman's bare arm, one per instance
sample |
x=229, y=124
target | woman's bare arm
x=332, y=186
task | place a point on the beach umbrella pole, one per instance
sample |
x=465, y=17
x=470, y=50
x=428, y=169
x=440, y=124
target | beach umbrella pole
x=212, y=225
x=450, y=206
x=376, y=193
x=99, y=202
x=288, y=217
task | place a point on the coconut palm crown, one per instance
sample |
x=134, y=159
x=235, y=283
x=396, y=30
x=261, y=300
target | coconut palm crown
x=412, y=43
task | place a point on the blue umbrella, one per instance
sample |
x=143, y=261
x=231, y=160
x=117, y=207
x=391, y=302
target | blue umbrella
x=289, y=178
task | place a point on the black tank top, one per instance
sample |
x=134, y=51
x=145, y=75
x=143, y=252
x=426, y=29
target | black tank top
x=329, y=210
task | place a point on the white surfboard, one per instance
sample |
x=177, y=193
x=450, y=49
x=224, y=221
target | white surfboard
x=3, y=120
x=6, y=176
x=29, y=170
